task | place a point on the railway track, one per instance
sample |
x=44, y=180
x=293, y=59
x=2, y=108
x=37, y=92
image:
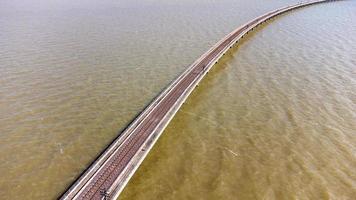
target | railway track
x=111, y=171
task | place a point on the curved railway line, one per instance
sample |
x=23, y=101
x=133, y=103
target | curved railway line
x=109, y=173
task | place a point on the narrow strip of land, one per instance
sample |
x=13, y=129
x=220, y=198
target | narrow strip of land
x=109, y=174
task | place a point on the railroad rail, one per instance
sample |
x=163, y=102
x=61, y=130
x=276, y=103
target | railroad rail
x=109, y=173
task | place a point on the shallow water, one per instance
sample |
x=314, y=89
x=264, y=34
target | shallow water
x=274, y=119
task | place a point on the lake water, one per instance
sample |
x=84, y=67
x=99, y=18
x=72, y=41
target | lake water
x=275, y=119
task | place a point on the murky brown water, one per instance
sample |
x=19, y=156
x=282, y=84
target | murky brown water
x=275, y=119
